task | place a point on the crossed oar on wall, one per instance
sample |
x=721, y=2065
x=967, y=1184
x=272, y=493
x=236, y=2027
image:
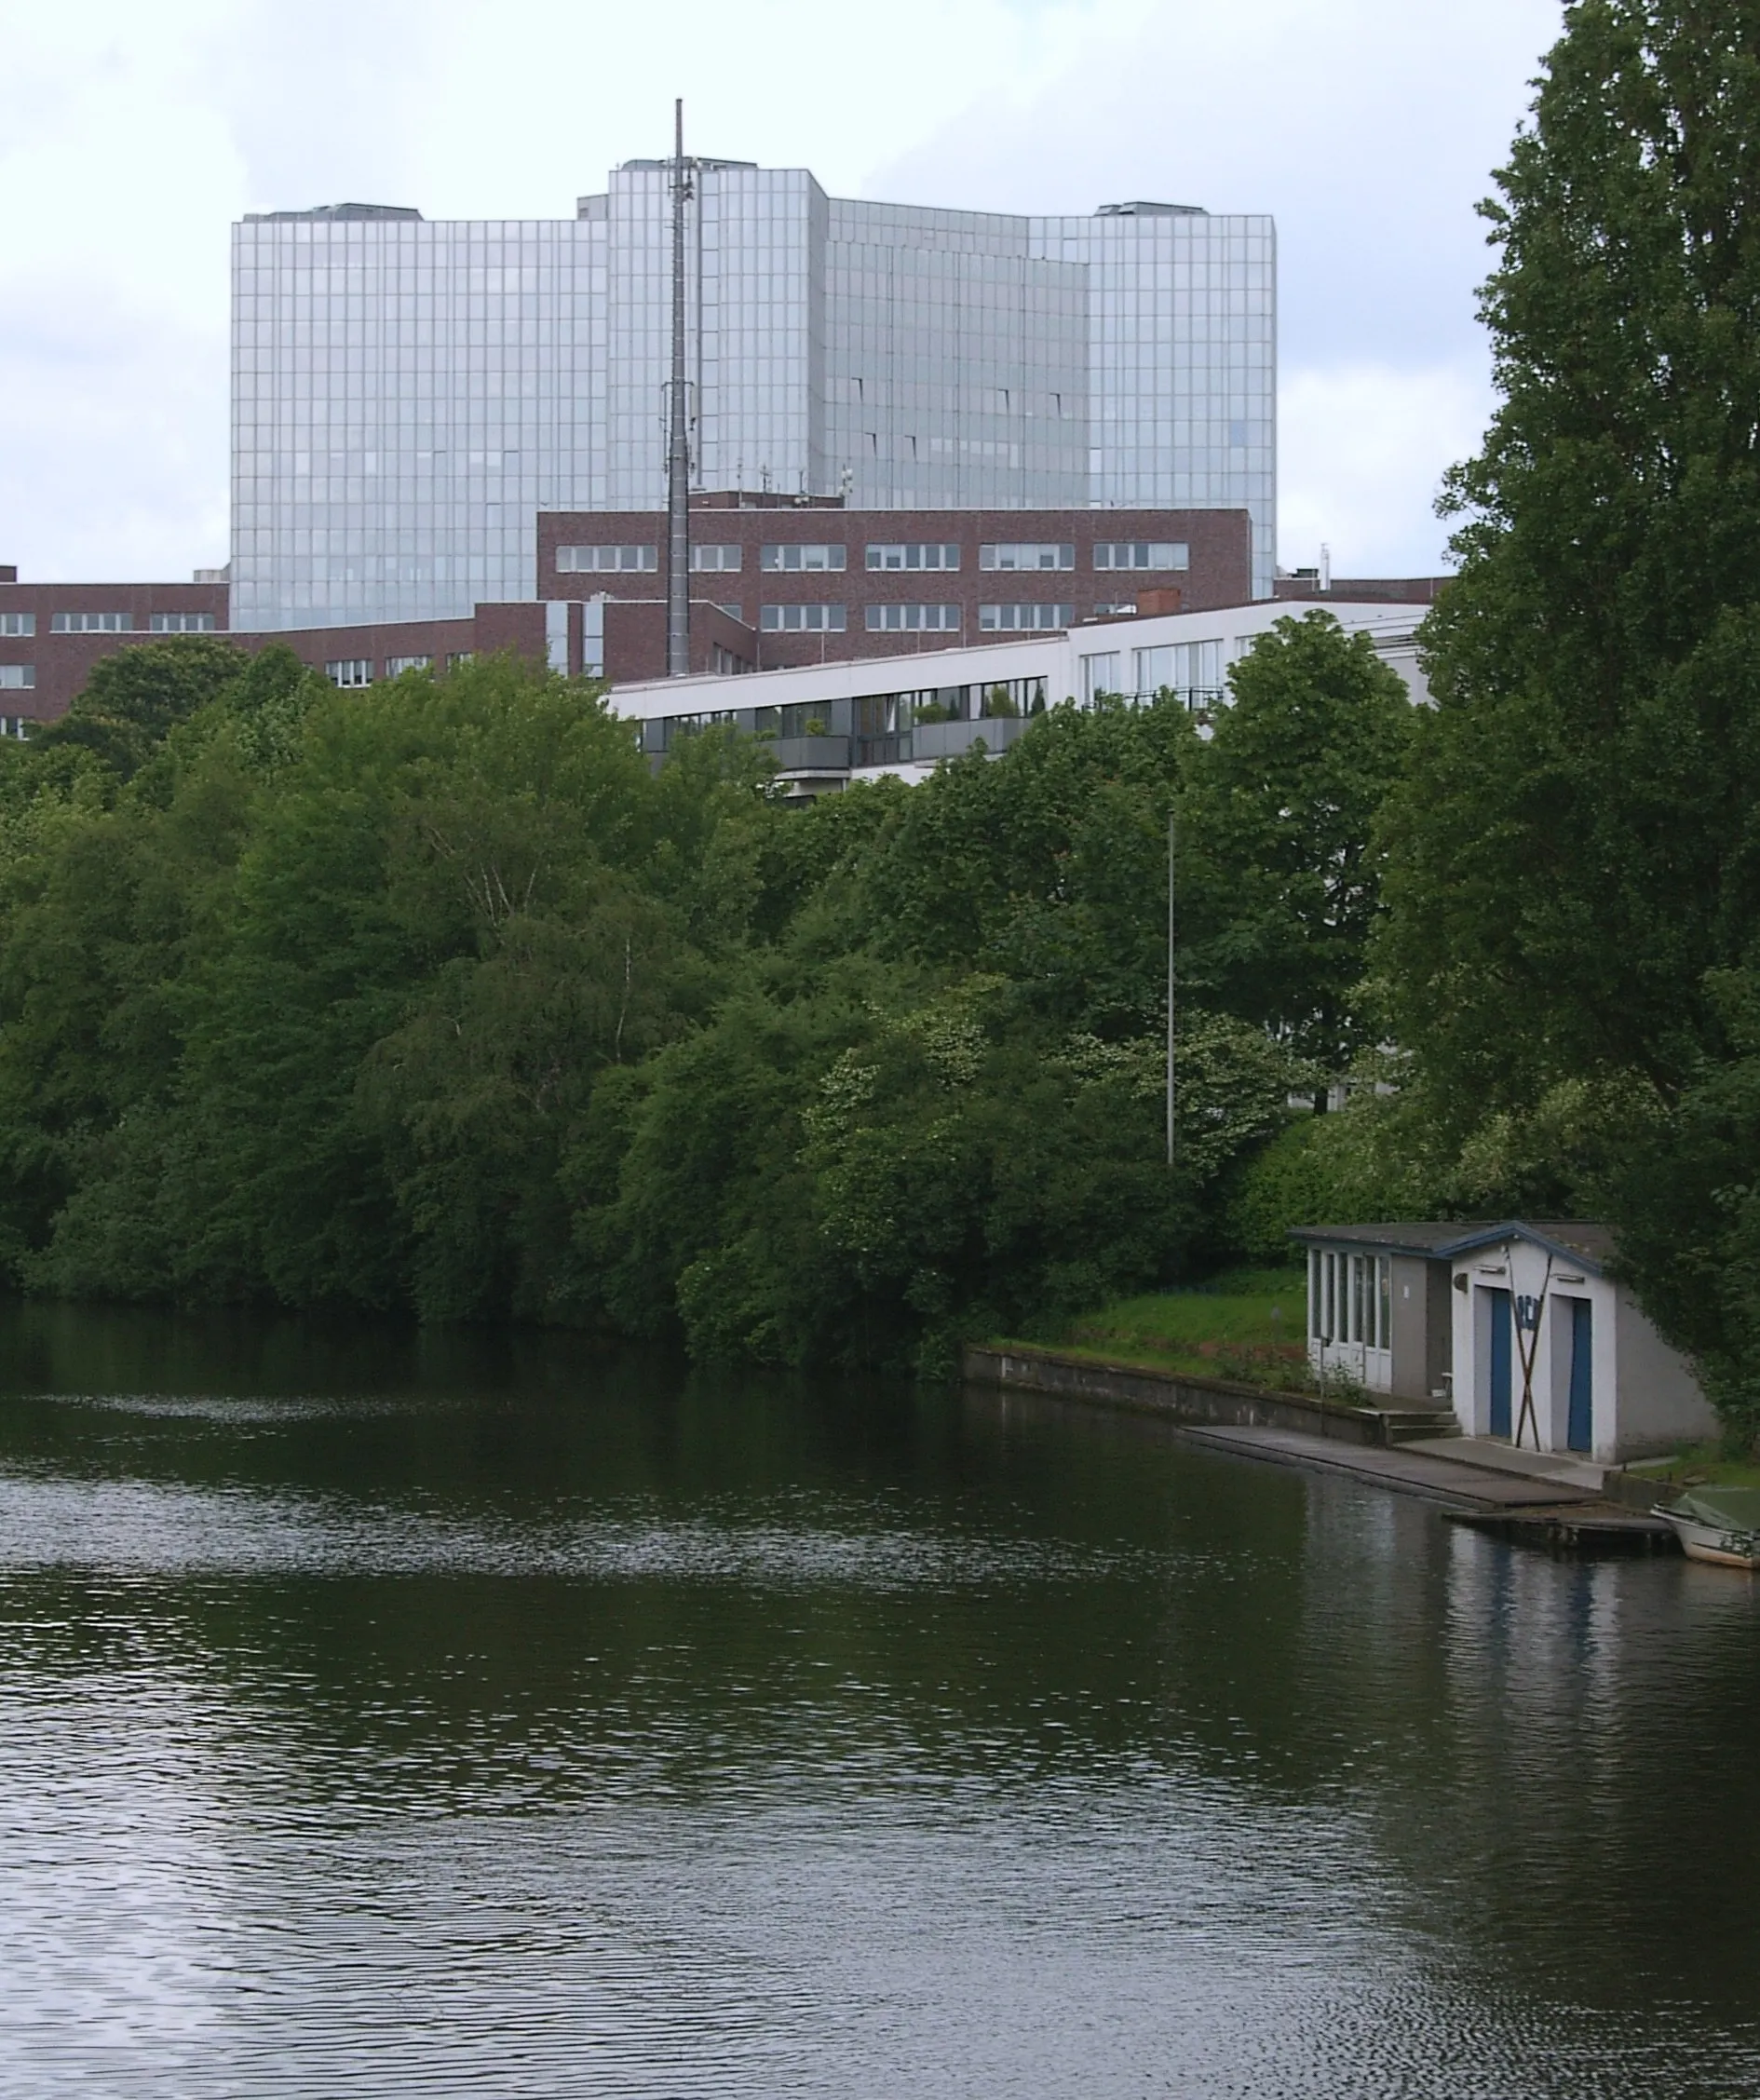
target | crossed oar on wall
x=1527, y=1312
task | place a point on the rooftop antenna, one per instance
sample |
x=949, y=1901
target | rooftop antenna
x=1325, y=566
x=678, y=449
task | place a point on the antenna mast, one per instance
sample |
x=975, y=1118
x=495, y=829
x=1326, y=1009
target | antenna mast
x=678, y=450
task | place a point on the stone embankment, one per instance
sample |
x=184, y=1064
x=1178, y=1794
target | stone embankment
x=1192, y=1399
x=1541, y=1498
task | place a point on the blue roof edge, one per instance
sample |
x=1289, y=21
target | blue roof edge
x=1446, y=1250
x=1485, y=1236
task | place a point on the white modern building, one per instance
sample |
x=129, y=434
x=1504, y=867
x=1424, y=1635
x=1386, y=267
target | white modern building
x=833, y=723
x=408, y=394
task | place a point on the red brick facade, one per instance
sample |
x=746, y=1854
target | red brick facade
x=623, y=636
x=1218, y=571
x=58, y=665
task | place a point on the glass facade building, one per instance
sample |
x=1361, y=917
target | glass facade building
x=408, y=394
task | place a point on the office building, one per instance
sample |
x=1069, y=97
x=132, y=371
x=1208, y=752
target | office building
x=829, y=723
x=804, y=580
x=408, y=395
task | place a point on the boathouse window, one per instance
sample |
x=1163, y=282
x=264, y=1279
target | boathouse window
x=1350, y=1298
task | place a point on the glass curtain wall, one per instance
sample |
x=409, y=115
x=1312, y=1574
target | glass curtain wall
x=408, y=395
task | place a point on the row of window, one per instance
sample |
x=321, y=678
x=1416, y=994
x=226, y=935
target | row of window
x=803, y=557
x=359, y=670
x=108, y=623
x=1193, y=667
x=912, y=619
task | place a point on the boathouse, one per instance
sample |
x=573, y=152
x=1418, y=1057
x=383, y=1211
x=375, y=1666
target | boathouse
x=1516, y=1326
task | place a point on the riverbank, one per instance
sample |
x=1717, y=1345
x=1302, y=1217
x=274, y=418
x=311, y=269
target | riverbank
x=1565, y=1503
x=1192, y=1396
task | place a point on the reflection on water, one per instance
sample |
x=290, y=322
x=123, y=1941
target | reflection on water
x=395, y=1715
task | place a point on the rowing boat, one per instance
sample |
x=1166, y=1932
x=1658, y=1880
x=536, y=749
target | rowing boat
x=1721, y=1525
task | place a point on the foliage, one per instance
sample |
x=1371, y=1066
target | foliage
x=1575, y=852
x=1684, y=1198
x=438, y=999
x=1575, y=848
x=1281, y=877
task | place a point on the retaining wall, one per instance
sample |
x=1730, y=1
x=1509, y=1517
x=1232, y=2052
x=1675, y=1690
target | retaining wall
x=1163, y=1392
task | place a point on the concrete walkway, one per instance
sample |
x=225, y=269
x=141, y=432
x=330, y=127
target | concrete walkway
x=1570, y=1475
x=1428, y=1468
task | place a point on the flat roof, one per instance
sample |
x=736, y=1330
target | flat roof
x=1043, y=652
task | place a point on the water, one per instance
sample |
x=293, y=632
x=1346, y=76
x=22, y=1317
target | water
x=382, y=1715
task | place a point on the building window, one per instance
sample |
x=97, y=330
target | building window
x=912, y=619
x=460, y=657
x=1115, y=608
x=605, y=560
x=15, y=726
x=1015, y=618
x=17, y=676
x=720, y=557
x=1143, y=554
x=18, y=623
x=792, y=558
x=90, y=623
x=350, y=670
x=1100, y=674
x=395, y=666
x=930, y=554
x=1028, y=555
x=181, y=623
x=802, y=620
x=1193, y=669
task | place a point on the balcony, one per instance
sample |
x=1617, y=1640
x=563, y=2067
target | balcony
x=949, y=739
x=810, y=755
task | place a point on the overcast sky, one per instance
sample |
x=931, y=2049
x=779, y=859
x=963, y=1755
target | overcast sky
x=134, y=135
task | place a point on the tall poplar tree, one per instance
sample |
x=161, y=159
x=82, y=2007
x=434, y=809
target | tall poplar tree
x=1576, y=854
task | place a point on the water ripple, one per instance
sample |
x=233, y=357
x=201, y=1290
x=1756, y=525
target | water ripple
x=140, y=1527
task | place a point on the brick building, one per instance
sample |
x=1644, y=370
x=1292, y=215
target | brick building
x=775, y=581
x=52, y=633
x=805, y=580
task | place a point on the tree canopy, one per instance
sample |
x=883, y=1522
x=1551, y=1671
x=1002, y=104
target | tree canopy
x=1573, y=874
x=436, y=997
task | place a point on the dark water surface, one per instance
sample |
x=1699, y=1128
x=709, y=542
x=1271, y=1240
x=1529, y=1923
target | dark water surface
x=497, y=1717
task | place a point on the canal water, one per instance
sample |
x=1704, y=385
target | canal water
x=386, y=1715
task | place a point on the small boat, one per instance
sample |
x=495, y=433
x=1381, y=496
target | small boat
x=1717, y=1524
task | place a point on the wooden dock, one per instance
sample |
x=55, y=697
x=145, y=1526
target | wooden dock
x=1601, y=1529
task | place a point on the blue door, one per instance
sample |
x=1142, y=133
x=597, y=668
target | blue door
x=1500, y=1350
x=1580, y=1434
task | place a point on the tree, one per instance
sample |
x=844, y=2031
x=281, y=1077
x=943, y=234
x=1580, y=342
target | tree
x=1047, y=866
x=1575, y=855
x=132, y=700
x=1576, y=846
x=1684, y=1200
x=1281, y=874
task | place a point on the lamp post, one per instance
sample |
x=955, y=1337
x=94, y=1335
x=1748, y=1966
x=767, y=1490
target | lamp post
x=678, y=450
x=1169, y=986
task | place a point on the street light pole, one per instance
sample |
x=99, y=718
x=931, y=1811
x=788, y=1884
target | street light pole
x=678, y=453
x=1169, y=986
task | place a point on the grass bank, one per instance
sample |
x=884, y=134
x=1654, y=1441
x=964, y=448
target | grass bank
x=1248, y=1324
x=1701, y=1465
